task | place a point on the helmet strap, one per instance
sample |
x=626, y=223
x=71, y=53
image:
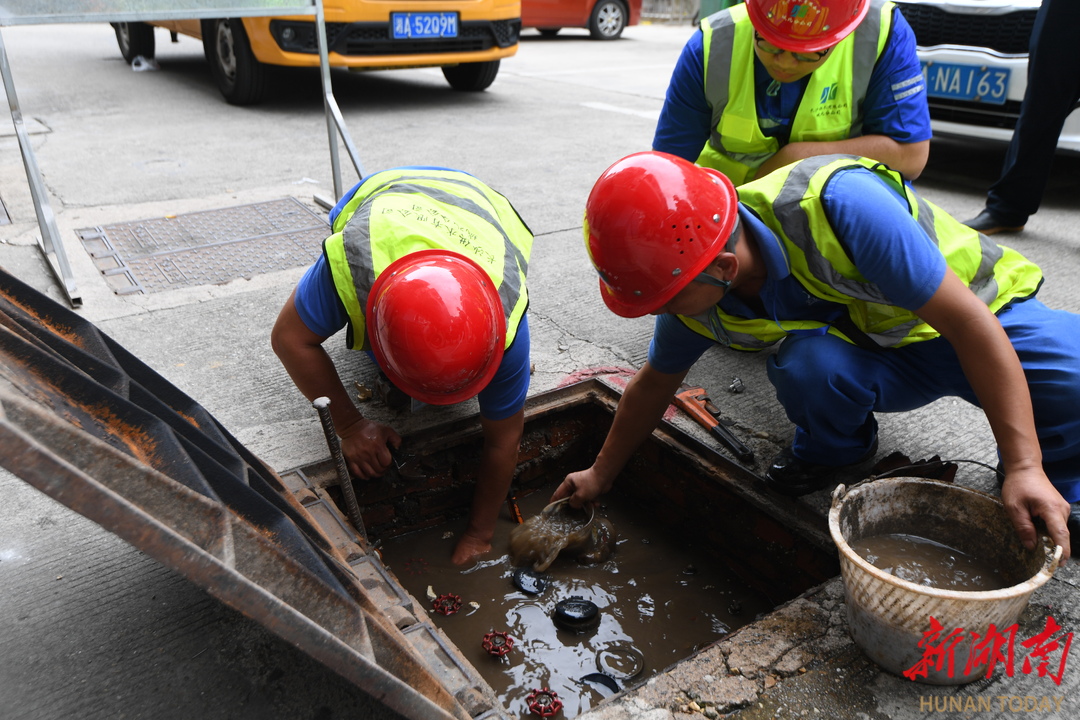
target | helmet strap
x=707, y=279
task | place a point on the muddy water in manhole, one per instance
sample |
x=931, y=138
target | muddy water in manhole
x=660, y=597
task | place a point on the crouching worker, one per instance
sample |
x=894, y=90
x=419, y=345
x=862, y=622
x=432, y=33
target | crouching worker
x=883, y=303
x=426, y=267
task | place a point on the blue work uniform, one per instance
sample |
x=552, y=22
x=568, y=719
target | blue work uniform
x=320, y=308
x=831, y=388
x=895, y=104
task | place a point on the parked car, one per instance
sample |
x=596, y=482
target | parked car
x=466, y=38
x=974, y=58
x=605, y=19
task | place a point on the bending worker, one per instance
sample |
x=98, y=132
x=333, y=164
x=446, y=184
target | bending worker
x=426, y=267
x=883, y=303
x=769, y=82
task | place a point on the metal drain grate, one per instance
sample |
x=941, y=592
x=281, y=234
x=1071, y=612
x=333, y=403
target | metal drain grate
x=205, y=248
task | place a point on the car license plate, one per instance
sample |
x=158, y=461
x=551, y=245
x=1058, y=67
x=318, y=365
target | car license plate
x=976, y=83
x=413, y=25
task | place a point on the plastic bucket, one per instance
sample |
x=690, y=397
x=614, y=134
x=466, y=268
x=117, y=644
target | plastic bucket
x=888, y=617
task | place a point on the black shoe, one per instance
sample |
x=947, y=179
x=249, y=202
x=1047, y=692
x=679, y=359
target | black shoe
x=391, y=395
x=791, y=476
x=988, y=224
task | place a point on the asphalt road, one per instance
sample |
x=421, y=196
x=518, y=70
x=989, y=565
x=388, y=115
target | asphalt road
x=90, y=627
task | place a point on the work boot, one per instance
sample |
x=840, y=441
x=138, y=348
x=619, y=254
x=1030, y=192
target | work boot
x=988, y=224
x=390, y=394
x=791, y=476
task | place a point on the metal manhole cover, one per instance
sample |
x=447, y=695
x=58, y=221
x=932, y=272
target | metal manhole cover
x=205, y=248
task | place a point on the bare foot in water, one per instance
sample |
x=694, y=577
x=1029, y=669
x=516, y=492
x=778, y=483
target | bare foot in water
x=470, y=548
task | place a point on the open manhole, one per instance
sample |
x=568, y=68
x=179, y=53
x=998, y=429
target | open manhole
x=697, y=556
x=87, y=423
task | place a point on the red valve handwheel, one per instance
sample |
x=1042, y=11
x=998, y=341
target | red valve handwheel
x=544, y=702
x=447, y=604
x=497, y=643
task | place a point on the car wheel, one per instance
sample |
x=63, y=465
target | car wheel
x=240, y=77
x=471, y=77
x=549, y=32
x=135, y=39
x=607, y=20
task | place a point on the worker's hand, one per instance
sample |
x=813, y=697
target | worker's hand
x=582, y=487
x=1028, y=495
x=364, y=444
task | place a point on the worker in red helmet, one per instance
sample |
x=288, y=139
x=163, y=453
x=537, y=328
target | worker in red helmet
x=880, y=302
x=426, y=269
x=768, y=82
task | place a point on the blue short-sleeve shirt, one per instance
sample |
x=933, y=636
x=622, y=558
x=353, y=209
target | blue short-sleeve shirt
x=883, y=240
x=317, y=303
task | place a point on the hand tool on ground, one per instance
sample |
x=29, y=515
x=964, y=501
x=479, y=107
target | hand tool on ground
x=515, y=511
x=695, y=402
x=352, y=507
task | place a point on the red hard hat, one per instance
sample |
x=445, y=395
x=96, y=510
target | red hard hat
x=436, y=325
x=805, y=25
x=653, y=221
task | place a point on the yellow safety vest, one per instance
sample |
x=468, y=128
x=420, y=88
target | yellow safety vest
x=398, y=212
x=789, y=202
x=831, y=106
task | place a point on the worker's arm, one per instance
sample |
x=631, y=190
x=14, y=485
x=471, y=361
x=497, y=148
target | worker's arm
x=498, y=461
x=642, y=405
x=994, y=371
x=363, y=442
x=908, y=159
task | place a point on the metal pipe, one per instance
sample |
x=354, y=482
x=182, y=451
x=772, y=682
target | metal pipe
x=352, y=507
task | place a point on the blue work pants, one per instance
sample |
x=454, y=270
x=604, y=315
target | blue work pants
x=831, y=388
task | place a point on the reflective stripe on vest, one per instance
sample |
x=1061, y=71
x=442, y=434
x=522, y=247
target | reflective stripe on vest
x=397, y=212
x=788, y=201
x=829, y=110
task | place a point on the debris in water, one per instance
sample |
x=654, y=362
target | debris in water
x=601, y=679
x=431, y=594
x=576, y=614
x=530, y=581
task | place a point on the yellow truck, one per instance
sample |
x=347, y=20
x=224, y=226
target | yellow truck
x=466, y=38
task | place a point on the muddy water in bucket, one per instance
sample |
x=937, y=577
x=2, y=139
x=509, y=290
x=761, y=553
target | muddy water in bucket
x=656, y=598
x=929, y=563
x=888, y=615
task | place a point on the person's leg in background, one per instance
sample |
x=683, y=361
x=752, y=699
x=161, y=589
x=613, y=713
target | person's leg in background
x=1052, y=91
